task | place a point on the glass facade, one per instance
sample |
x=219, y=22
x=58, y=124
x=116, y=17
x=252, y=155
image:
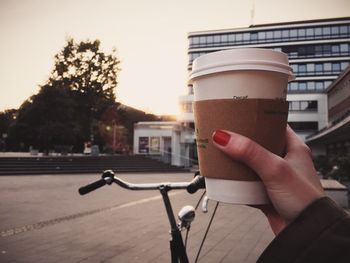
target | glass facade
x=308, y=86
x=301, y=51
x=304, y=126
x=320, y=49
x=303, y=105
x=265, y=36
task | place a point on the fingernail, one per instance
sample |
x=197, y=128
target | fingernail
x=221, y=137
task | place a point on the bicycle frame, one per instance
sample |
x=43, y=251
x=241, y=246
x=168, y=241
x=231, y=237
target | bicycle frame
x=177, y=247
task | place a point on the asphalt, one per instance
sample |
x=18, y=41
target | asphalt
x=44, y=219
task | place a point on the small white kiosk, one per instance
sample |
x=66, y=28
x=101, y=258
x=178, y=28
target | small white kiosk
x=168, y=141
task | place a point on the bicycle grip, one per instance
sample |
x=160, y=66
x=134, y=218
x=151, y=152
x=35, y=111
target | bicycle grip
x=91, y=187
x=197, y=183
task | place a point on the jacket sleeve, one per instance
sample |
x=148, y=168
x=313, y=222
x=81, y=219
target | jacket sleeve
x=321, y=233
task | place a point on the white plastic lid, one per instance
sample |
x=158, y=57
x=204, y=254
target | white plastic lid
x=241, y=59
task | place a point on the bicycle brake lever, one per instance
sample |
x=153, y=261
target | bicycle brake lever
x=205, y=204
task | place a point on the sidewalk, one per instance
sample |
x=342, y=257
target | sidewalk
x=55, y=224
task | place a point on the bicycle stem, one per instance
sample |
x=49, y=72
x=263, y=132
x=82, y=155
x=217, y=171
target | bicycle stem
x=177, y=247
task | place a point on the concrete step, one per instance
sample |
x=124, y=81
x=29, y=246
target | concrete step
x=82, y=164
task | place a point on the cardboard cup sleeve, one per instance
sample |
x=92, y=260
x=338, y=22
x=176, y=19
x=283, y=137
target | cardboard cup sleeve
x=262, y=120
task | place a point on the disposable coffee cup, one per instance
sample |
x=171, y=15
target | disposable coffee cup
x=244, y=91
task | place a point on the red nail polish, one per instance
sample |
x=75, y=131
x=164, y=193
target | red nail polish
x=221, y=137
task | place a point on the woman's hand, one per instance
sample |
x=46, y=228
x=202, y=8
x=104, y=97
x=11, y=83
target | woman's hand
x=291, y=182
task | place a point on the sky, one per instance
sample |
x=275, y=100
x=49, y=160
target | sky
x=150, y=37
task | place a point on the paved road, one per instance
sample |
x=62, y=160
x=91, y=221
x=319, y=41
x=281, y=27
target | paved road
x=43, y=219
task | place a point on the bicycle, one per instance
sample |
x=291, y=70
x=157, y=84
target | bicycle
x=186, y=214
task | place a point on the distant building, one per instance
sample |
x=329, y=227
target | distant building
x=167, y=141
x=318, y=51
x=334, y=138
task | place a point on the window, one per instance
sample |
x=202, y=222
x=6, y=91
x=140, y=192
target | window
x=327, y=49
x=143, y=145
x=319, y=85
x=310, y=67
x=293, y=33
x=293, y=86
x=210, y=39
x=304, y=126
x=318, y=50
x=294, y=105
x=187, y=107
x=217, y=39
x=239, y=37
x=302, y=86
x=301, y=32
x=327, y=67
x=269, y=35
x=285, y=33
x=303, y=105
x=327, y=83
x=190, y=89
x=261, y=35
x=310, y=50
x=343, y=30
x=326, y=31
x=310, y=85
x=231, y=37
x=335, y=67
x=202, y=40
x=302, y=51
x=277, y=34
x=344, y=48
x=310, y=32
x=335, y=49
x=154, y=145
x=310, y=105
x=224, y=38
x=335, y=30
x=253, y=36
x=343, y=65
x=318, y=68
x=301, y=68
x=195, y=40
x=318, y=31
x=246, y=36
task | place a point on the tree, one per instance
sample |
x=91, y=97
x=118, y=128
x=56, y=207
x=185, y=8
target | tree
x=129, y=116
x=7, y=117
x=91, y=75
x=67, y=109
x=45, y=120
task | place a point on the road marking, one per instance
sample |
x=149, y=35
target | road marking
x=39, y=225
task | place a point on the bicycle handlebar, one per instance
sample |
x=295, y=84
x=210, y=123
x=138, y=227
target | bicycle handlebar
x=197, y=183
x=109, y=178
x=91, y=187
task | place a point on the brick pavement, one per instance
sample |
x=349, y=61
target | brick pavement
x=115, y=232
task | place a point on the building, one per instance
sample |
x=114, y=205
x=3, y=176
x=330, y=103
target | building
x=318, y=51
x=334, y=139
x=164, y=140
